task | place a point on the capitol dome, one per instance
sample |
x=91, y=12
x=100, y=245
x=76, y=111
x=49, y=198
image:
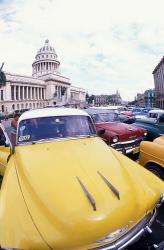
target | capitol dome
x=45, y=61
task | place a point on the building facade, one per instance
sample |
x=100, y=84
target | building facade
x=46, y=86
x=158, y=74
x=103, y=100
x=146, y=99
x=140, y=100
x=149, y=98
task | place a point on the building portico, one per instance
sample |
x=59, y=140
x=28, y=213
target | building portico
x=45, y=87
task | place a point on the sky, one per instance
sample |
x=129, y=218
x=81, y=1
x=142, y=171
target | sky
x=103, y=45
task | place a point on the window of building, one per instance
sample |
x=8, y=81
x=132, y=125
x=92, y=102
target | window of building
x=2, y=95
x=3, y=108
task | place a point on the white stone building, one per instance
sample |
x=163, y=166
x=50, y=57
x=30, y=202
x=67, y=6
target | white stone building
x=46, y=86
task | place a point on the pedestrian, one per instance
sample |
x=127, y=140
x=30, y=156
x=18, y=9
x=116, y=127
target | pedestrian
x=14, y=124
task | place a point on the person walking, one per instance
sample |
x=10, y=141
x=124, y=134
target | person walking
x=14, y=124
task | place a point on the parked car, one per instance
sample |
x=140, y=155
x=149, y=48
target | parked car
x=122, y=137
x=64, y=188
x=152, y=156
x=154, y=124
x=125, y=115
x=140, y=113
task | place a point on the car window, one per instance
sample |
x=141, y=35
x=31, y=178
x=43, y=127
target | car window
x=105, y=117
x=54, y=127
x=2, y=137
x=161, y=118
x=153, y=115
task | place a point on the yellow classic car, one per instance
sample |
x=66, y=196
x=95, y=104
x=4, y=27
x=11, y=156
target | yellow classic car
x=152, y=156
x=63, y=188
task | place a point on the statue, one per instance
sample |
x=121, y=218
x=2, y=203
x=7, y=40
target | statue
x=2, y=76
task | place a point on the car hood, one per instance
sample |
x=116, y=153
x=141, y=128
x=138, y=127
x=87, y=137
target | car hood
x=124, y=131
x=55, y=177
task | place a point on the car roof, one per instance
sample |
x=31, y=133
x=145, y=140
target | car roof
x=158, y=111
x=47, y=112
x=108, y=107
x=92, y=111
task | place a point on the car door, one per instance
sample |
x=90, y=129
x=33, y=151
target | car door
x=161, y=125
x=5, y=148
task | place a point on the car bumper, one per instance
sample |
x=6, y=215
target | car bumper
x=135, y=233
x=127, y=147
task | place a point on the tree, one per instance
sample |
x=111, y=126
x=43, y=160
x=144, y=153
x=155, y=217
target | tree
x=2, y=76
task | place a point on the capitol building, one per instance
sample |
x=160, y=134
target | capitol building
x=46, y=86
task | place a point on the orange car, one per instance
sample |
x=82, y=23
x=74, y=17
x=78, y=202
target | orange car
x=152, y=156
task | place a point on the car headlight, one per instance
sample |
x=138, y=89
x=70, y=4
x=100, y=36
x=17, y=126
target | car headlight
x=114, y=235
x=115, y=139
x=145, y=133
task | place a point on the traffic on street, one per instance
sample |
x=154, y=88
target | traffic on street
x=98, y=149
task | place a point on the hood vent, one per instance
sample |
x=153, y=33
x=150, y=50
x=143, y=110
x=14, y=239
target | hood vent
x=88, y=195
x=112, y=188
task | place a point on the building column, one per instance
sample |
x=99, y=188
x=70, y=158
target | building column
x=14, y=93
x=27, y=93
x=36, y=89
x=23, y=93
x=34, y=93
x=18, y=92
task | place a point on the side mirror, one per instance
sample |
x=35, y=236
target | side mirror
x=101, y=131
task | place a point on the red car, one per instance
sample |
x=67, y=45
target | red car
x=123, y=137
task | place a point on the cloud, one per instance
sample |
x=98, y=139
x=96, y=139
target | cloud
x=102, y=45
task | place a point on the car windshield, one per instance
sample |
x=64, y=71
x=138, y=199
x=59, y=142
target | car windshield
x=105, y=117
x=54, y=127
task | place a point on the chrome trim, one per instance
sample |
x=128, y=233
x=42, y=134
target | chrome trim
x=161, y=200
x=126, y=142
x=132, y=236
x=88, y=195
x=112, y=188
